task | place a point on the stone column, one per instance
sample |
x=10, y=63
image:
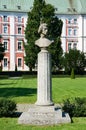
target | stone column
x=44, y=90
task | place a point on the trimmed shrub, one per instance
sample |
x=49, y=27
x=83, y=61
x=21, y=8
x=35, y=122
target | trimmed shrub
x=7, y=108
x=72, y=74
x=76, y=107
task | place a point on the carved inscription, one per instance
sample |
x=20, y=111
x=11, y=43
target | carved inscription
x=41, y=114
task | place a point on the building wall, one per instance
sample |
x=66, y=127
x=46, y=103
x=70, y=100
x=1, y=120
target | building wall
x=12, y=31
x=73, y=32
x=12, y=27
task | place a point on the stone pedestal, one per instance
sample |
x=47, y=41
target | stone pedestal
x=43, y=112
x=43, y=115
x=44, y=90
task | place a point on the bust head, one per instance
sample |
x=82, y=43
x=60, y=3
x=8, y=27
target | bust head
x=43, y=42
x=43, y=30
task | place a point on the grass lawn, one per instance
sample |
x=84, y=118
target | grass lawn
x=11, y=124
x=24, y=91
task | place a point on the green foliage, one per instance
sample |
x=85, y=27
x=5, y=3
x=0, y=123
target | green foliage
x=16, y=68
x=1, y=53
x=1, y=50
x=1, y=68
x=4, y=77
x=74, y=59
x=56, y=53
x=72, y=74
x=45, y=13
x=7, y=107
x=75, y=108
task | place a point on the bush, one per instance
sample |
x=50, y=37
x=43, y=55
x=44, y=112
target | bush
x=76, y=107
x=72, y=74
x=7, y=108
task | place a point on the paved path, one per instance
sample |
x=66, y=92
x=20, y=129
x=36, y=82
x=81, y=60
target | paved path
x=22, y=107
x=25, y=107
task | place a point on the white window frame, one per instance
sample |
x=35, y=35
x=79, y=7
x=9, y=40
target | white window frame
x=18, y=62
x=69, y=45
x=19, y=31
x=5, y=18
x=5, y=46
x=5, y=66
x=69, y=31
x=19, y=47
x=75, y=45
x=69, y=21
x=75, y=20
x=19, y=19
x=75, y=32
x=5, y=29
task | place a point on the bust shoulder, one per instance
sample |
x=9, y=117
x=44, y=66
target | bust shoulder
x=43, y=42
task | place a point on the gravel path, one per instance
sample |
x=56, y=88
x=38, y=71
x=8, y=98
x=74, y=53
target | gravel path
x=22, y=107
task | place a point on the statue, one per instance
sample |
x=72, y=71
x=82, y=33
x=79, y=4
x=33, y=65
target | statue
x=43, y=42
x=43, y=30
x=44, y=96
x=44, y=112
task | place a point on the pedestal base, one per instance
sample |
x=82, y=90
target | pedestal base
x=44, y=115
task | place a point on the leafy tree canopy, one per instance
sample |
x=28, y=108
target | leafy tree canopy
x=76, y=60
x=1, y=50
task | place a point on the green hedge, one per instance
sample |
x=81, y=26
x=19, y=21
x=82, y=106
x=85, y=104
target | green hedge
x=76, y=107
x=7, y=107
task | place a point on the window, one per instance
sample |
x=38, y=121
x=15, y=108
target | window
x=69, y=31
x=19, y=62
x=5, y=7
x=5, y=45
x=56, y=9
x=75, y=46
x=19, y=45
x=75, y=21
x=19, y=18
x=75, y=32
x=69, y=46
x=5, y=30
x=5, y=18
x=69, y=20
x=19, y=7
x=69, y=9
x=5, y=62
x=19, y=30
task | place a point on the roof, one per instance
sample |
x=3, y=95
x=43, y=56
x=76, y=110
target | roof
x=61, y=6
x=16, y=5
x=69, y=6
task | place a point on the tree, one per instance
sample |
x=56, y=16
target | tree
x=75, y=60
x=56, y=52
x=45, y=13
x=1, y=52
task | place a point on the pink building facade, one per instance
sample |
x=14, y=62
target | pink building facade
x=13, y=19
x=12, y=30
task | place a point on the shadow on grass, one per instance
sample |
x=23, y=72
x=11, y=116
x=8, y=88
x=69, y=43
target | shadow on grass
x=6, y=83
x=16, y=92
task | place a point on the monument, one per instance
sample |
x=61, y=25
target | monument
x=44, y=112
